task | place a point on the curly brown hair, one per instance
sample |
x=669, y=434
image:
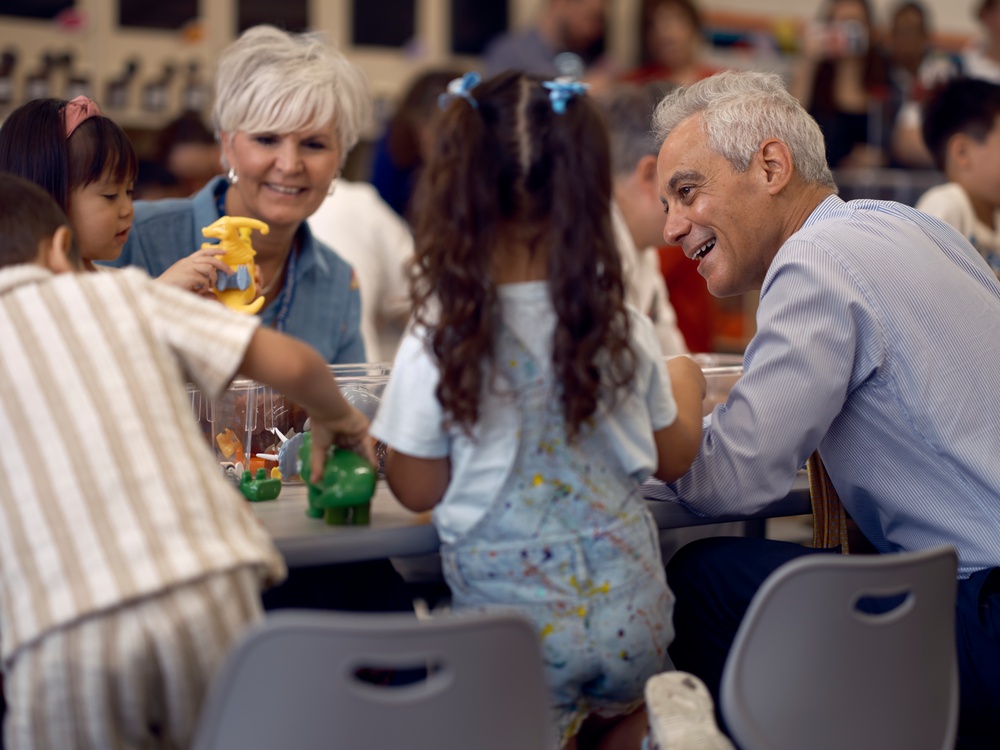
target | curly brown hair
x=505, y=165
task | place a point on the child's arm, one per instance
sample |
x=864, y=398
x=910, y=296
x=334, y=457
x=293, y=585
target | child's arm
x=677, y=445
x=298, y=371
x=418, y=483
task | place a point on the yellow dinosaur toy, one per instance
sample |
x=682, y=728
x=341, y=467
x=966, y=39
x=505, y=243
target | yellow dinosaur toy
x=238, y=289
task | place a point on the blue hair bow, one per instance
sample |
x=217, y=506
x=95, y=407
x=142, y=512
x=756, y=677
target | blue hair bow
x=561, y=90
x=461, y=87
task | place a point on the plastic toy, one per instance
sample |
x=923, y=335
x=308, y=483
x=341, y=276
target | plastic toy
x=238, y=289
x=231, y=446
x=288, y=458
x=260, y=487
x=344, y=495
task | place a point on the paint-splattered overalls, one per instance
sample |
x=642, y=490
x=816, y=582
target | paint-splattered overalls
x=569, y=542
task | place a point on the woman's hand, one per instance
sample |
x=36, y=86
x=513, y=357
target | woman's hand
x=198, y=271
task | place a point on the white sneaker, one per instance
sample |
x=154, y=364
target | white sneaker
x=681, y=714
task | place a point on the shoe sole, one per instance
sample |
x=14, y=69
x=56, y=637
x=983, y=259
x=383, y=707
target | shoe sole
x=682, y=714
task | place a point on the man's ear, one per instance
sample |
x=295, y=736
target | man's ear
x=645, y=175
x=56, y=255
x=774, y=164
x=958, y=149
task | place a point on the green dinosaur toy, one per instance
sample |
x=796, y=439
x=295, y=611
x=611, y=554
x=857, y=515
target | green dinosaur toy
x=260, y=488
x=344, y=495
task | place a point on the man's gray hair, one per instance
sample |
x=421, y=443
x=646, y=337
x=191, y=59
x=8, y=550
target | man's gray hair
x=272, y=81
x=740, y=110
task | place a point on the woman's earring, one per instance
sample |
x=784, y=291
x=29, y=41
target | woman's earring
x=233, y=177
x=333, y=185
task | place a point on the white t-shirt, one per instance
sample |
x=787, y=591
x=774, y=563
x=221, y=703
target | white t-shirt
x=645, y=287
x=410, y=417
x=368, y=234
x=951, y=204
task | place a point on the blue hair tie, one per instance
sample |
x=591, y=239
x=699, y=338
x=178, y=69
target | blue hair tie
x=562, y=89
x=461, y=87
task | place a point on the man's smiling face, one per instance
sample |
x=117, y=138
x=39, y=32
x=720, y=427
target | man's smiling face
x=719, y=216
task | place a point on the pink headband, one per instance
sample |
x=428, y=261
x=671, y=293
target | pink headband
x=76, y=111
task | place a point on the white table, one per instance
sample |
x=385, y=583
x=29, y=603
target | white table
x=394, y=531
x=397, y=532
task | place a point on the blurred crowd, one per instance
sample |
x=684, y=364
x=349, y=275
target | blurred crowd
x=865, y=80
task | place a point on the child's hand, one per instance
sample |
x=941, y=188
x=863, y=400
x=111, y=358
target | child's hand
x=349, y=431
x=677, y=444
x=197, y=272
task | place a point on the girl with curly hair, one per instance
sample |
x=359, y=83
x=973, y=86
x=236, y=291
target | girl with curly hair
x=527, y=402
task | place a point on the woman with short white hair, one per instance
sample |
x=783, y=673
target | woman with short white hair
x=288, y=109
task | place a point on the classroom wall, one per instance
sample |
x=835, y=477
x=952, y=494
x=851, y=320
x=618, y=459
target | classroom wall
x=101, y=49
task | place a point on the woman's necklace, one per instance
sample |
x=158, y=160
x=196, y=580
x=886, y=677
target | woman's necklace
x=266, y=290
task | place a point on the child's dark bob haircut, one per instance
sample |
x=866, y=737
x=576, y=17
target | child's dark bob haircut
x=33, y=146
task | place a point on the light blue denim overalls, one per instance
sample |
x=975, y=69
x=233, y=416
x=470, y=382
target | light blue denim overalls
x=568, y=542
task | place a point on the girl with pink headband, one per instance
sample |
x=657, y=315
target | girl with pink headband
x=86, y=162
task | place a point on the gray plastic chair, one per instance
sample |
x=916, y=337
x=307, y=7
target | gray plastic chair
x=810, y=669
x=292, y=683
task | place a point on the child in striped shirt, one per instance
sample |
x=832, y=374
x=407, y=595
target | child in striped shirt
x=128, y=563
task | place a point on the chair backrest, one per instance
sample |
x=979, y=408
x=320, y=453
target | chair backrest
x=847, y=651
x=303, y=680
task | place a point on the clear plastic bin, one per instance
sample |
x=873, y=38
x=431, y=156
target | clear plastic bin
x=251, y=421
x=244, y=424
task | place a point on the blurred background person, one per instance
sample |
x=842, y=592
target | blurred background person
x=567, y=38
x=841, y=78
x=961, y=128
x=907, y=43
x=636, y=210
x=672, y=43
x=374, y=239
x=400, y=151
x=183, y=158
x=638, y=221
x=915, y=67
x=980, y=60
x=187, y=148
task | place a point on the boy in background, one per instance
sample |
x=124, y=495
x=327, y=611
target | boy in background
x=636, y=212
x=128, y=564
x=961, y=131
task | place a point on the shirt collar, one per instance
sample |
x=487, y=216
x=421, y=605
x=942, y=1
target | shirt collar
x=309, y=255
x=829, y=205
x=13, y=277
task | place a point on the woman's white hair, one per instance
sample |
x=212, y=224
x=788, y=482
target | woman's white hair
x=740, y=110
x=269, y=80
